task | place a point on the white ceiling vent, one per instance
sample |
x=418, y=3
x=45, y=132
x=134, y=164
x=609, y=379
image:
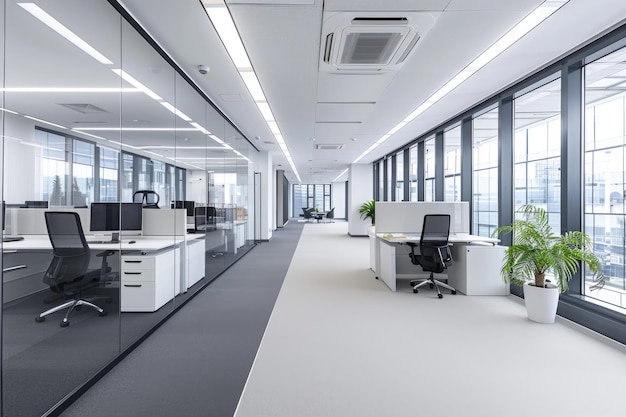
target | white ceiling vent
x=328, y=146
x=371, y=43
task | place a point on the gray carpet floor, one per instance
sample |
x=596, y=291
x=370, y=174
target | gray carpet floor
x=196, y=364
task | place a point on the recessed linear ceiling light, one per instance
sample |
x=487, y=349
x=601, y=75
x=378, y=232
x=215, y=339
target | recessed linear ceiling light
x=222, y=21
x=45, y=121
x=58, y=27
x=339, y=176
x=137, y=129
x=541, y=13
x=68, y=90
x=7, y=110
x=55, y=25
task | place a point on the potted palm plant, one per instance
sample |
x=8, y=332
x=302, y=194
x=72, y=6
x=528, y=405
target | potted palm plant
x=536, y=251
x=367, y=211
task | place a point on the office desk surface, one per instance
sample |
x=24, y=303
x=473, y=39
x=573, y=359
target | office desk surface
x=453, y=238
x=143, y=243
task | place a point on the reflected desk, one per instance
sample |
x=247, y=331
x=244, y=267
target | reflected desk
x=475, y=269
x=150, y=270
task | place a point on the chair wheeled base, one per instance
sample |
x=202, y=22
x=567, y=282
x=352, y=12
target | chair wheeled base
x=71, y=305
x=432, y=283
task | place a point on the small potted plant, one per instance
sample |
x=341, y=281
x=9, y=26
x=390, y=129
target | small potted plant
x=367, y=211
x=537, y=251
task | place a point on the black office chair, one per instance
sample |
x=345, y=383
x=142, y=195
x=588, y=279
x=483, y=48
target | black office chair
x=68, y=273
x=308, y=214
x=434, y=251
x=148, y=198
x=330, y=215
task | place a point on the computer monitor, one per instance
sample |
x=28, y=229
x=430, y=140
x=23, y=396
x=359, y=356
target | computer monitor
x=204, y=218
x=105, y=217
x=187, y=205
x=36, y=204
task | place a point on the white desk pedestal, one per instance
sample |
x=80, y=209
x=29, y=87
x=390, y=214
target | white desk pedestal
x=476, y=270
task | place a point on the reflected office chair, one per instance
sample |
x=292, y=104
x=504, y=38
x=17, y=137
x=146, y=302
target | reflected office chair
x=434, y=251
x=308, y=214
x=148, y=198
x=68, y=273
x=330, y=216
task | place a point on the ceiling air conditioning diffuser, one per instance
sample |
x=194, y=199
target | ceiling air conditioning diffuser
x=371, y=43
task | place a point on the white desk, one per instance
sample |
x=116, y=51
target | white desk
x=475, y=271
x=151, y=268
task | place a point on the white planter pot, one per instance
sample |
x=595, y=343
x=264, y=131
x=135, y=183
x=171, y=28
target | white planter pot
x=541, y=303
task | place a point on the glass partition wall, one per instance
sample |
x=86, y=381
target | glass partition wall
x=100, y=119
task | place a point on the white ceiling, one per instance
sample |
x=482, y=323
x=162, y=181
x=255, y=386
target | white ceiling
x=309, y=99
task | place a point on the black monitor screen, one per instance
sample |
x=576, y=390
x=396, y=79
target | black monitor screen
x=187, y=205
x=36, y=204
x=106, y=217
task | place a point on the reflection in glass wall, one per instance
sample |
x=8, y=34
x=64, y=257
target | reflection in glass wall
x=400, y=176
x=605, y=173
x=537, y=150
x=485, y=167
x=413, y=172
x=452, y=164
x=48, y=162
x=120, y=126
x=429, y=169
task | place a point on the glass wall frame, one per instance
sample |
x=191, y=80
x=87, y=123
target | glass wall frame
x=107, y=149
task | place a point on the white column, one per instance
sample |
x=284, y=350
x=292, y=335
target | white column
x=359, y=191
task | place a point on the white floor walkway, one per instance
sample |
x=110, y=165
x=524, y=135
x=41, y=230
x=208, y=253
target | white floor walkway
x=340, y=344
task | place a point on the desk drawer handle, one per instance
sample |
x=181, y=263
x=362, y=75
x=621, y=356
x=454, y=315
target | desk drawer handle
x=132, y=273
x=133, y=262
x=133, y=285
x=13, y=268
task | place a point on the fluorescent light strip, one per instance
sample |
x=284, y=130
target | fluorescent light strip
x=541, y=13
x=254, y=87
x=46, y=122
x=131, y=80
x=218, y=140
x=176, y=111
x=225, y=27
x=123, y=144
x=8, y=111
x=341, y=174
x=55, y=25
x=67, y=90
x=200, y=128
x=181, y=148
x=136, y=129
x=88, y=134
x=265, y=111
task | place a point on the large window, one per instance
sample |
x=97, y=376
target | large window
x=537, y=150
x=311, y=196
x=485, y=173
x=452, y=164
x=429, y=169
x=605, y=173
x=400, y=176
x=413, y=172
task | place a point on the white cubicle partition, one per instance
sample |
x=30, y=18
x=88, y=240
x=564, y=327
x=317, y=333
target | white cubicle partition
x=31, y=221
x=165, y=222
x=407, y=217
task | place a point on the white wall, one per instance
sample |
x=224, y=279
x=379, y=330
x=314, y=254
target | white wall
x=263, y=164
x=359, y=191
x=22, y=163
x=339, y=199
x=196, y=186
